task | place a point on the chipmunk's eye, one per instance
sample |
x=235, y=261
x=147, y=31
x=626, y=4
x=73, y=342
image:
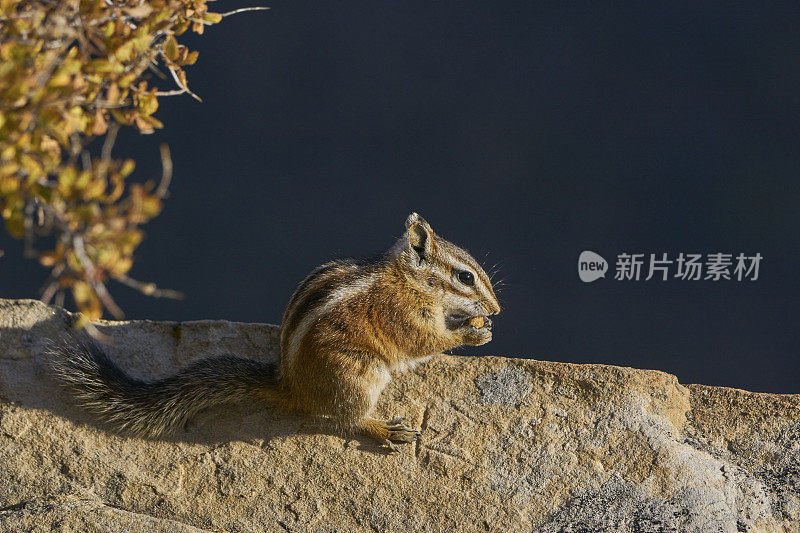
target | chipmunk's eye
x=466, y=277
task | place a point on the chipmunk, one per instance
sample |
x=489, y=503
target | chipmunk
x=348, y=326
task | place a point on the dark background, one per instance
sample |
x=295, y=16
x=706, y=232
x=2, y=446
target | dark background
x=525, y=131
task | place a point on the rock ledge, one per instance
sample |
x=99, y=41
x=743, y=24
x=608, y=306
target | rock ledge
x=507, y=445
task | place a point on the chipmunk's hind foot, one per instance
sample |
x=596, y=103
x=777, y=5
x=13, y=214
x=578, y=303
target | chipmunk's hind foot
x=387, y=433
x=401, y=433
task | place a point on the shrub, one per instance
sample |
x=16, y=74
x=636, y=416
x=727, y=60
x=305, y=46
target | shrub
x=72, y=71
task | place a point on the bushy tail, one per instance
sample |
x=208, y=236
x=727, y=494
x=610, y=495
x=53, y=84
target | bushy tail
x=154, y=408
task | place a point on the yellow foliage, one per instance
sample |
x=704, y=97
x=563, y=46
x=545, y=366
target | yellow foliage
x=70, y=71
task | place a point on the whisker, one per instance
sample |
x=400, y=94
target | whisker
x=495, y=269
x=499, y=283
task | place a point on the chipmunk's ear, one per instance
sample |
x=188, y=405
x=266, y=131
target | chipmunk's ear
x=420, y=237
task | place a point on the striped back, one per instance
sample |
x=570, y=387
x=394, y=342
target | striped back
x=389, y=303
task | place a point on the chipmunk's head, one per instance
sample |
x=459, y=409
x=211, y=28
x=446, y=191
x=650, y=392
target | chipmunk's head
x=453, y=277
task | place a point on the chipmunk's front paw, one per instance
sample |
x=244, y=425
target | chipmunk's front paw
x=475, y=330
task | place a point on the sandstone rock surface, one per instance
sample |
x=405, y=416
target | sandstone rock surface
x=507, y=445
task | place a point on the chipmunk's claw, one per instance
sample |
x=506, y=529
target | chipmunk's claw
x=400, y=433
x=392, y=446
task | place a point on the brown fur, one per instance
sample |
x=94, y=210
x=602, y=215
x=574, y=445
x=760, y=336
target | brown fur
x=394, y=317
x=348, y=326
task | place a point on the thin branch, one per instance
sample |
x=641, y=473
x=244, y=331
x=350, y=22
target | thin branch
x=108, y=143
x=96, y=334
x=176, y=92
x=48, y=70
x=182, y=86
x=75, y=148
x=100, y=104
x=51, y=287
x=86, y=160
x=166, y=172
x=27, y=221
x=153, y=67
x=49, y=291
x=150, y=289
x=91, y=273
x=242, y=10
